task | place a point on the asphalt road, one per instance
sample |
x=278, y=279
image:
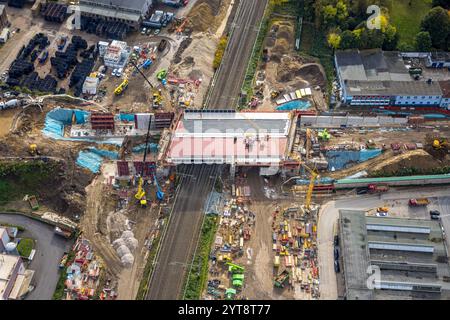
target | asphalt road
x=226, y=86
x=180, y=240
x=396, y=200
x=49, y=250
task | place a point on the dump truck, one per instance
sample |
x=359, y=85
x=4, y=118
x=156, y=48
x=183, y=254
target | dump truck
x=281, y=279
x=418, y=202
x=32, y=200
x=377, y=188
x=62, y=232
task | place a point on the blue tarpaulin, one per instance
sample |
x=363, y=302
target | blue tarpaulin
x=56, y=119
x=127, y=117
x=342, y=159
x=295, y=105
x=89, y=160
x=105, y=153
x=153, y=147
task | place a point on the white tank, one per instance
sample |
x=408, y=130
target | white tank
x=11, y=248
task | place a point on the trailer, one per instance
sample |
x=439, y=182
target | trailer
x=32, y=200
x=281, y=279
x=377, y=188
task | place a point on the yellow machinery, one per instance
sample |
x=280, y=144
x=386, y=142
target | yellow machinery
x=439, y=144
x=314, y=176
x=33, y=150
x=140, y=195
x=157, y=98
x=119, y=90
x=308, y=143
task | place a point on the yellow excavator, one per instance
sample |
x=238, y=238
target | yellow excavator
x=440, y=144
x=140, y=194
x=33, y=149
x=119, y=90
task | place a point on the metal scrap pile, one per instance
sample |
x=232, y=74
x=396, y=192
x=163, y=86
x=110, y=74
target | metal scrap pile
x=295, y=251
x=83, y=273
x=235, y=227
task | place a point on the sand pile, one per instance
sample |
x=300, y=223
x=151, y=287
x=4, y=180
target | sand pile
x=204, y=15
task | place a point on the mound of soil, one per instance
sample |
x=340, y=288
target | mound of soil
x=202, y=17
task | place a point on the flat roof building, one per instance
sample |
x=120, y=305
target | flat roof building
x=14, y=278
x=380, y=78
x=410, y=255
x=130, y=12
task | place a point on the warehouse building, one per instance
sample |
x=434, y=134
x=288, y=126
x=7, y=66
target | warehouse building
x=409, y=256
x=379, y=78
x=130, y=12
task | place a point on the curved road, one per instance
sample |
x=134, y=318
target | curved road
x=49, y=250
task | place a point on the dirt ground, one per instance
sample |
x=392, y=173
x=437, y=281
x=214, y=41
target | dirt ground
x=286, y=71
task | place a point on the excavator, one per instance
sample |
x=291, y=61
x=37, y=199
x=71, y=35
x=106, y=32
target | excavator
x=314, y=176
x=439, y=144
x=119, y=90
x=33, y=150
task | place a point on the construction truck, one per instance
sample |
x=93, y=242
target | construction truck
x=161, y=75
x=281, y=279
x=119, y=90
x=62, y=232
x=324, y=135
x=418, y=202
x=377, y=188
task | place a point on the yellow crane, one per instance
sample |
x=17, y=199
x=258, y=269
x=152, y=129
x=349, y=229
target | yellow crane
x=314, y=176
x=140, y=194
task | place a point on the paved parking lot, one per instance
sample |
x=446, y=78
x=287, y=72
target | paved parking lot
x=396, y=200
x=49, y=250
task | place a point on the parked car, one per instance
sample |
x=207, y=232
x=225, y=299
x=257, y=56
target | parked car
x=114, y=72
x=119, y=72
x=337, y=268
x=434, y=217
x=434, y=213
x=157, y=31
x=144, y=30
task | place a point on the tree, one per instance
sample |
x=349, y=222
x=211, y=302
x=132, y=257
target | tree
x=341, y=11
x=348, y=40
x=334, y=40
x=441, y=3
x=423, y=41
x=405, y=47
x=437, y=23
x=329, y=15
x=390, y=38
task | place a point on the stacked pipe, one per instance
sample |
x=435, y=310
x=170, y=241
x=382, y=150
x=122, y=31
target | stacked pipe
x=79, y=75
x=54, y=12
x=109, y=29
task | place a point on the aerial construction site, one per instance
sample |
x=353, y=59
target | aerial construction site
x=217, y=150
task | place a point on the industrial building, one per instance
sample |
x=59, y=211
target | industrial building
x=15, y=279
x=260, y=139
x=129, y=12
x=380, y=78
x=410, y=255
x=116, y=54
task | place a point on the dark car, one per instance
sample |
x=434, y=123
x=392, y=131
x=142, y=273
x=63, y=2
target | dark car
x=336, y=240
x=434, y=217
x=337, y=268
x=434, y=213
x=336, y=253
x=362, y=191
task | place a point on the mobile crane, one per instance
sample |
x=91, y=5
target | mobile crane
x=140, y=194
